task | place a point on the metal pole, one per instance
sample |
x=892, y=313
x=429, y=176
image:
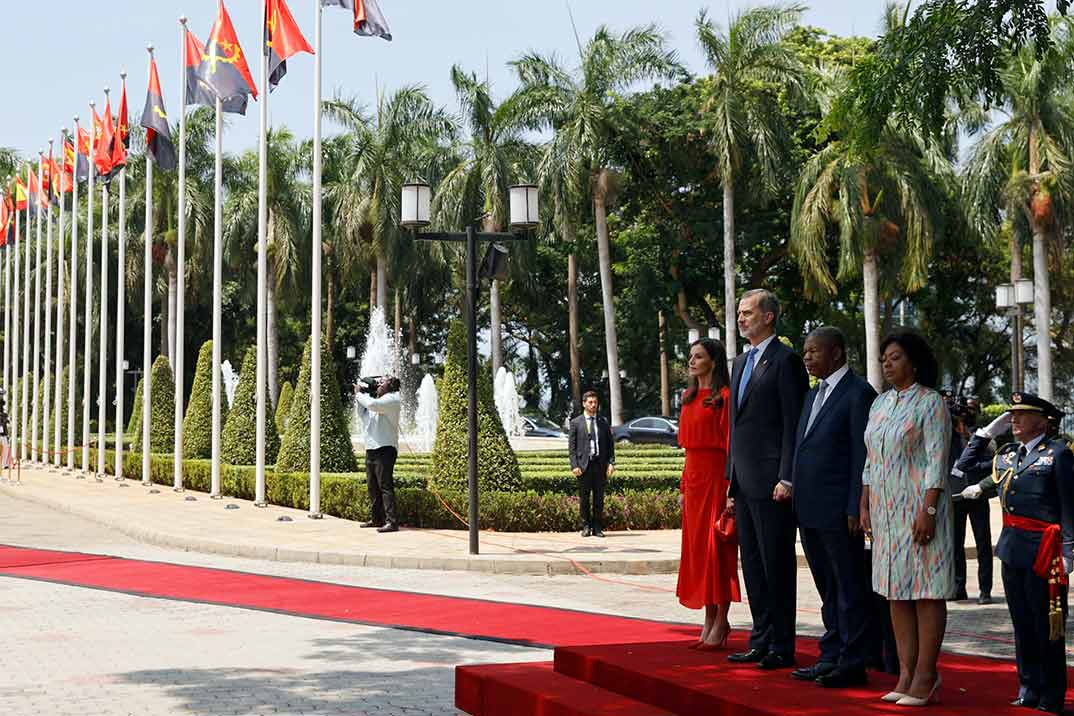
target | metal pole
x=57, y=400
x=7, y=336
x=87, y=363
x=177, y=365
x=102, y=350
x=46, y=394
x=262, y=277
x=1018, y=349
x=121, y=310
x=147, y=317
x=35, y=416
x=73, y=312
x=315, y=303
x=471, y=376
x=16, y=365
x=24, y=394
x=218, y=253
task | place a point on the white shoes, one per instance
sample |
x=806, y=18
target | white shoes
x=893, y=697
x=908, y=700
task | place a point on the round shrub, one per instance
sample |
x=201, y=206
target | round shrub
x=283, y=406
x=337, y=455
x=238, y=443
x=198, y=422
x=497, y=466
x=162, y=410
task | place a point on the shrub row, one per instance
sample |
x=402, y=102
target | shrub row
x=344, y=495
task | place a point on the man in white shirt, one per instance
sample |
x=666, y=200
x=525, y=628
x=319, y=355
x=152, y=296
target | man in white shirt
x=380, y=419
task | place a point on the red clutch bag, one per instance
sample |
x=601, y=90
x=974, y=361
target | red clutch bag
x=725, y=528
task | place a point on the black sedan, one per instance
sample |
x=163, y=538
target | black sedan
x=538, y=427
x=651, y=429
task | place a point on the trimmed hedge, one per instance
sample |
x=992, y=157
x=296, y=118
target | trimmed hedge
x=198, y=421
x=134, y=422
x=238, y=443
x=337, y=454
x=345, y=496
x=497, y=466
x=161, y=412
x=283, y=405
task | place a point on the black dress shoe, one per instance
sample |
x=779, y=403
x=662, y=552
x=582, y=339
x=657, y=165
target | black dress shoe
x=984, y=599
x=1051, y=708
x=841, y=678
x=775, y=661
x=389, y=527
x=1028, y=701
x=370, y=523
x=747, y=657
x=810, y=673
x=586, y=532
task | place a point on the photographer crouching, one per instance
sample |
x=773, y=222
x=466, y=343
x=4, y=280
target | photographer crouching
x=379, y=406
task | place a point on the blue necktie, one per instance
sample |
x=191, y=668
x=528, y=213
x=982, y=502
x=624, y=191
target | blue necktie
x=747, y=372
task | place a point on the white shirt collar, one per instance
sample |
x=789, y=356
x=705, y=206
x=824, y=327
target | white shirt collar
x=762, y=347
x=1033, y=443
x=833, y=380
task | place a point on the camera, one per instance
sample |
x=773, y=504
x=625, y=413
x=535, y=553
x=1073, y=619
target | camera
x=368, y=384
x=959, y=407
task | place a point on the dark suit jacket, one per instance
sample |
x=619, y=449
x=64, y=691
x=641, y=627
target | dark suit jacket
x=763, y=427
x=829, y=459
x=579, y=442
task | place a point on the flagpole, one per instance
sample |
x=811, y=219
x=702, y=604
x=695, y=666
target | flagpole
x=16, y=365
x=147, y=311
x=262, y=271
x=121, y=265
x=7, y=336
x=315, y=317
x=46, y=395
x=218, y=253
x=102, y=345
x=87, y=363
x=35, y=413
x=57, y=400
x=73, y=309
x=177, y=365
x=19, y=365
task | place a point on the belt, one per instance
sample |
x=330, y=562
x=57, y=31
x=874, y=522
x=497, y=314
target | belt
x=1048, y=565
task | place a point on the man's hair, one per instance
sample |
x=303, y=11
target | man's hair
x=590, y=394
x=766, y=300
x=392, y=383
x=831, y=337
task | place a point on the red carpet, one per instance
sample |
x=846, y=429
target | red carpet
x=475, y=618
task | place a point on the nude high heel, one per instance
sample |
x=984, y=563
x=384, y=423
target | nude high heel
x=908, y=700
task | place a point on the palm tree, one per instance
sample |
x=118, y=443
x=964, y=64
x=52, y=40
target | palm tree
x=379, y=153
x=288, y=199
x=578, y=108
x=478, y=182
x=1020, y=170
x=742, y=118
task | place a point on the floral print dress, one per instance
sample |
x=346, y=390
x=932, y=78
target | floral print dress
x=907, y=440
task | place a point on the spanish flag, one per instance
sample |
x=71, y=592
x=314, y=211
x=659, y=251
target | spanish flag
x=369, y=21
x=223, y=65
x=282, y=39
x=21, y=195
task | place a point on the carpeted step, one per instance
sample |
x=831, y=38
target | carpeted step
x=535, y=689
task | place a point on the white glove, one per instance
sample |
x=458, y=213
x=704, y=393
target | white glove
x=972, y=492
x=997, y=427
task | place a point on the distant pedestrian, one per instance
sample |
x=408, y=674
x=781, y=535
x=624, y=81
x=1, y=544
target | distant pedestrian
x=379, y=407
x=592, y=453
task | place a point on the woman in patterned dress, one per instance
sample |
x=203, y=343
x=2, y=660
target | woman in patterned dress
x=708, y=567
x=907, y=513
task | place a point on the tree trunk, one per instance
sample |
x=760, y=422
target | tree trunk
x=412, y=337
x=382, y=283
x=372, y=291
x=273, y=352
x=665, y=377
x=330, y=313
x=730, y=296
x=572, y=329
x=1042, y=313
x=1017, y=338
x=398, y=327
x=602, y=189
x=495, y=327
x=872, y=320
x=173, y=297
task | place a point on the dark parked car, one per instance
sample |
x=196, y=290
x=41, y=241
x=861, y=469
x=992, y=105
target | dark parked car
x=537, y=427
x=652, y=429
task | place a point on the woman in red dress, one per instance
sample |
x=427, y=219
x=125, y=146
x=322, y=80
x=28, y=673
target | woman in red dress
x=708, y=568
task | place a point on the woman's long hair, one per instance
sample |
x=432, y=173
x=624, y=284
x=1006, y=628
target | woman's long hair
x=720, y=378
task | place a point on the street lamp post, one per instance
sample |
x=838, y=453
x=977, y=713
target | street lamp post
x=416, y=202
x=1014, y=298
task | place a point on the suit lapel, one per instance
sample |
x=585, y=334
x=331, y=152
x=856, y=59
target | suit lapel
x=760, y=367
x=833, y=398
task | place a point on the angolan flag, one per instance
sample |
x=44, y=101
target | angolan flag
x=368, y=19
x=223, y=67
x=282, y=39
x=158, y=135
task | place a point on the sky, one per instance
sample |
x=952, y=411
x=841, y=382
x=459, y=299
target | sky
x=69, y=50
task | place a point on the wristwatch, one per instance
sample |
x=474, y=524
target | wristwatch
x=931, y=510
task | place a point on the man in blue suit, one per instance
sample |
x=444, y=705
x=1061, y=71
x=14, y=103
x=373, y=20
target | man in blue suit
x=829, y=456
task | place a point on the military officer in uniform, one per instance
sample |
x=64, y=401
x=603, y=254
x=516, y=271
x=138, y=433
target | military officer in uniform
x=1034, y=479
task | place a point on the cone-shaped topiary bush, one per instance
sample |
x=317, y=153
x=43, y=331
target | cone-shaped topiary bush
x=283, y=407
x=337, y=455
x=161, y=412
x=497, y=466
x=198, y=422
x=134, y=422
x=238, y=443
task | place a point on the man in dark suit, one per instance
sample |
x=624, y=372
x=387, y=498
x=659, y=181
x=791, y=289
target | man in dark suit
x=767, y=386
x=829, y=457
x=592, y=462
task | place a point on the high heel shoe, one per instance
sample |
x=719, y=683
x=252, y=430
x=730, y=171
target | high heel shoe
x=909, y=700
x=696, y=645
x=717, y=645
x=893, y=697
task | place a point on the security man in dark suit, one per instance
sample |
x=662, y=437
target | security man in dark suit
x=975, y=511
x=829, y=458
x=768, y=383
x=592, y=453
x=1034, y=478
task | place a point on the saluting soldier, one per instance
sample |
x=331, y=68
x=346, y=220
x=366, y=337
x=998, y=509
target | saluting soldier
x=1034, y=478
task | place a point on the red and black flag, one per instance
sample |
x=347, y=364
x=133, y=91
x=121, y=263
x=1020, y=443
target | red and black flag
x=102, y=151
x=37, y=196
x=82, y=168
x=282, y=39
x=53, y=180
x=158, y=135
x=121, y=138
x=369, y=21
x=223, y=65
x=9, y=234
x=5, y=218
